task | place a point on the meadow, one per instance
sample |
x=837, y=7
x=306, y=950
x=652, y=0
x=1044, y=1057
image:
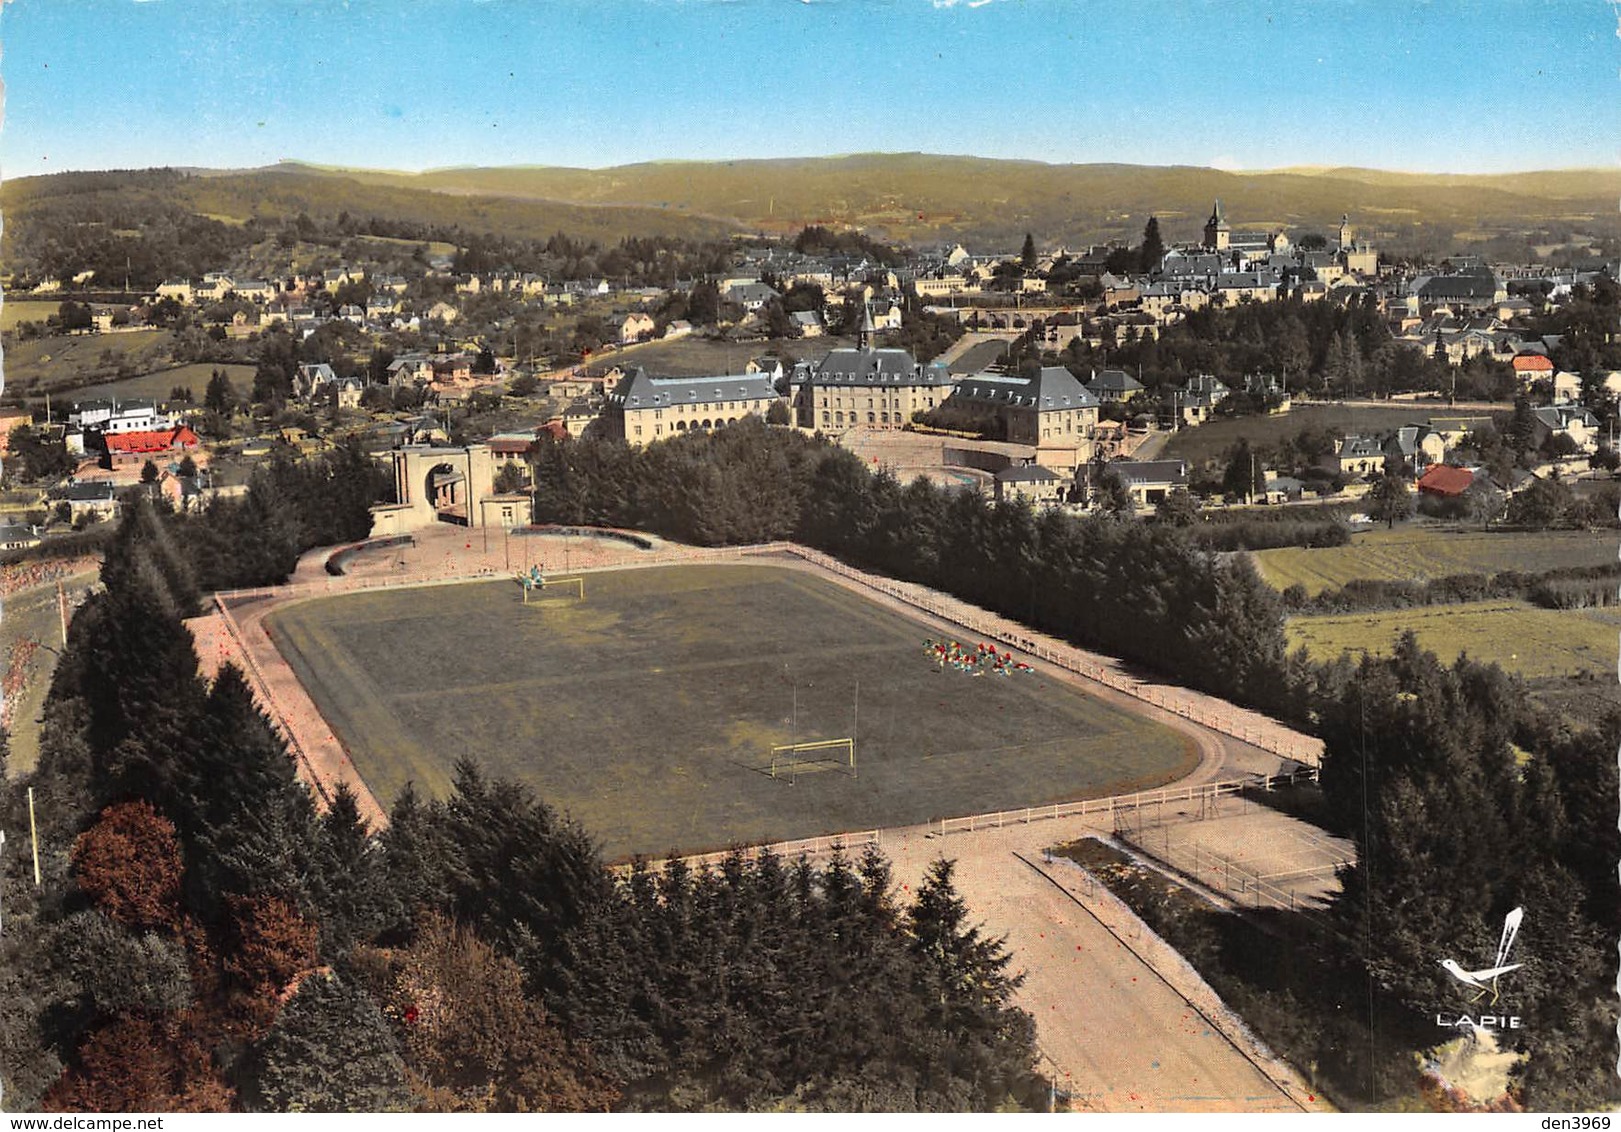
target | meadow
x=1420, y=553
x=648, y=710
x=14, y=311
x=60, y=363
x=1522, y=638
x=159, y=384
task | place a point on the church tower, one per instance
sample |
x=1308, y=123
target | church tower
x=866, y=337
x=1346, y=233
x=1217, y=236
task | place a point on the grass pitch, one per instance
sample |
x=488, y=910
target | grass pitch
x=1520, y=637
x=1422, y=553
x=649, y=710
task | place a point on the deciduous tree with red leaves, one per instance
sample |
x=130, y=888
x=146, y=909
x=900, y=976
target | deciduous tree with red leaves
x=129, y=863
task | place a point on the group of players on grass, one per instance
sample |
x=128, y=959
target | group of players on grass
x=976, y=660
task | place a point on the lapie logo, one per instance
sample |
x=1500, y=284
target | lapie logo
x=1484, y=982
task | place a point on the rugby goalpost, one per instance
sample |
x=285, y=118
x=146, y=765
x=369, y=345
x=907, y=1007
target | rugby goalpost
x=547, y=583
x=788, y=758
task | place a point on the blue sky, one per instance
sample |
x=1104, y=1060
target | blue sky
x=1446, y=86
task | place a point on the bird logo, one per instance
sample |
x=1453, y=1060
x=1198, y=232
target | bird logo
x=1485, y=980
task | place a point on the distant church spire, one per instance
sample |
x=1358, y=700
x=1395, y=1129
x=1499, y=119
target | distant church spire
x=868, y=331
x=1217, y=236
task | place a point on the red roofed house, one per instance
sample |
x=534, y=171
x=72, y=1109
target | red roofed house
x=1445, y=481
x=1531, y=367
x=126, y=449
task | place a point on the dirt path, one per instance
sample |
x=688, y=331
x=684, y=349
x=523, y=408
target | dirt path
x=1122, y=1022
x=29, y=612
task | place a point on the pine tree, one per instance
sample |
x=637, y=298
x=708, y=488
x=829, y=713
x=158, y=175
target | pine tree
x=1152, y=251
x=413, y=863
x=330, y=1050
x=135, y=667
x=348, y=886
x=987, y=1042
x=1027, y=254
x=250, y=819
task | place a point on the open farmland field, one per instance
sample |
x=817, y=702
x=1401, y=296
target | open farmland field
x=648, y=710
x=1211, y=441
x=1421, y=553
x=160, y=383
x=26, y=310
x=71, y=361
x=1520, y=637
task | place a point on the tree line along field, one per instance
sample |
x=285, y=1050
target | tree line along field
x=1421, y=553
x=1521, y=638
x=648, y=711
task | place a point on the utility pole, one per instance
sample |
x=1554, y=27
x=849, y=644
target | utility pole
x=33, y=835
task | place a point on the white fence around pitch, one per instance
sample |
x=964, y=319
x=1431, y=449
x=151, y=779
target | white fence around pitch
x=811, y=847
x=1117, y=803
x=1217, y=715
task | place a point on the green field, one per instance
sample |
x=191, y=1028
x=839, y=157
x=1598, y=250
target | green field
x=648, y=710
x=1522, y=638
x=160, y=383
x=1421, y=553
x=27, y=310
x=69, y=361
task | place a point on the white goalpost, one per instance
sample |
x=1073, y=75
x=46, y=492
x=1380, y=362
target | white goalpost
x=577, y=584
x=830, y=754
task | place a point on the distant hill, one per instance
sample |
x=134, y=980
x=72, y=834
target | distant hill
x=920, y=197
x=909, y=198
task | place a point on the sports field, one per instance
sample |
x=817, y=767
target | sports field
x=1518, y=636
x=1422, y=553
x=648, y=711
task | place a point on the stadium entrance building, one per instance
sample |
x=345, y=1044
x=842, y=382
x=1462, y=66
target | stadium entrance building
x=447, y=485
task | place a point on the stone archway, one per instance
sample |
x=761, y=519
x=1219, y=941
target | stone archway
x=445, y=487
x=441, y=485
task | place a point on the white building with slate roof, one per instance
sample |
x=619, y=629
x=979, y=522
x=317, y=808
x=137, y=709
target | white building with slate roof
x=652, y=408
x=861, y=385
x=1049, y=409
